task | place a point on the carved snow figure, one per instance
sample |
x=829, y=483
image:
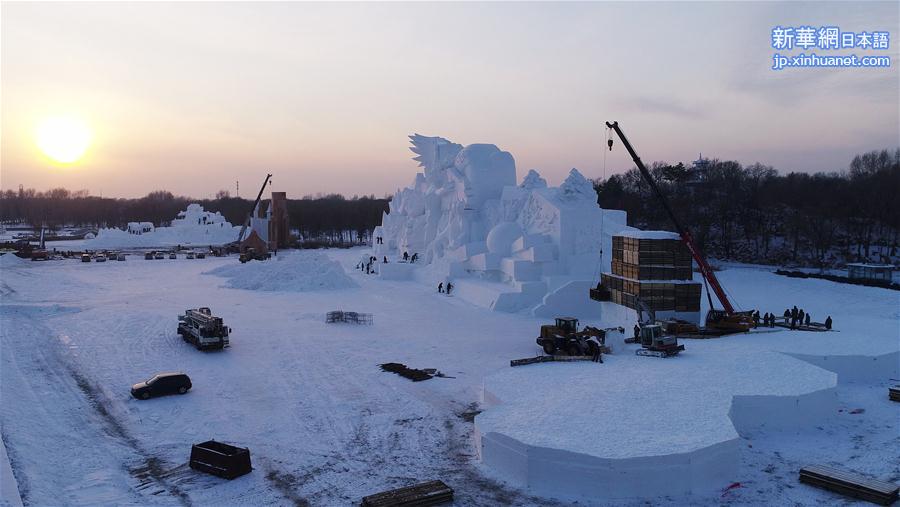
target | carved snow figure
x=509, y=247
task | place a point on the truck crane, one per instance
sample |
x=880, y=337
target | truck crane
x=253, y=208
x=727, y=318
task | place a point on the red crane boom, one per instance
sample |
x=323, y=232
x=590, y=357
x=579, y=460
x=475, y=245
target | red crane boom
x=685, y=234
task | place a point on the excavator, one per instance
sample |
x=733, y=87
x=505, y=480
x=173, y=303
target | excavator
x=725, y=319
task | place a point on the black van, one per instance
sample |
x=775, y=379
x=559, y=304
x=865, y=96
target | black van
x=162, y=384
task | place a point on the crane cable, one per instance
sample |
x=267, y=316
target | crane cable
x=599, y=264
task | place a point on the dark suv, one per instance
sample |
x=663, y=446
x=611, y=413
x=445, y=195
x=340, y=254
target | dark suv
x=162, y=384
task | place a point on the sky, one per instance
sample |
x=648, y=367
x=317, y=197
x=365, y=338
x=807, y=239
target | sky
x=194, y=97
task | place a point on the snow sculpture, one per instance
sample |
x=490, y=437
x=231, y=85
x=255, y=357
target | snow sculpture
x=509, y=247
x=193, y=226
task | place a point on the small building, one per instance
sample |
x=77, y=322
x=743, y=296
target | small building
x=862, y=271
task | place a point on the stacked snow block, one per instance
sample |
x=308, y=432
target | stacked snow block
x=655, y=270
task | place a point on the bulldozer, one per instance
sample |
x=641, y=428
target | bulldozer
x=563, y=337
x=655, y=343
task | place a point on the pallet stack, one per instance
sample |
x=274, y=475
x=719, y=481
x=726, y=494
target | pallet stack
x=850, y=484
x=658, y=270
x=426, y=493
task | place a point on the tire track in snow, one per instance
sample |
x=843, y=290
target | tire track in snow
x=63, y=378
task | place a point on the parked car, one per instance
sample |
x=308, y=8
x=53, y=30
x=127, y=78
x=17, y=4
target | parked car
x=162, y=384
x=173, y=255
x=159, y=255
x=201, y=255
x=100, y=258
x=85, y=257
x=148, y=256
x=120, y=257
x=190, y=255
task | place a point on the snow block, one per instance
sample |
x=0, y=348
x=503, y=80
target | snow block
x=396, y=271
x=856, y=368
x=485, y=261
x=571, y=299
x=521, y=271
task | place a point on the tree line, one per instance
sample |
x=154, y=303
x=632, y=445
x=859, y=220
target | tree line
x=743, y=213
x=754, y=214
x=330, y=218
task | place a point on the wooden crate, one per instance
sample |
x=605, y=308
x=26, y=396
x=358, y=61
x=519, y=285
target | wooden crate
x=850, y=484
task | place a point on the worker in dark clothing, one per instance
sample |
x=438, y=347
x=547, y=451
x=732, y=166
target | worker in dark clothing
x=807, y=319
x=766, y=319
x=405, y=256
x=594, y=347
x=637, y=332
x=787, y=314
x=449, y=288
x=441, y=288
x=828, y=323
x=800, y=315
x=772, y=320
x=414, y=257
x=756, y=318
x=385, y=259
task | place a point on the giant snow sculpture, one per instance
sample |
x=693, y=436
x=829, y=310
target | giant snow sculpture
x=508, y=246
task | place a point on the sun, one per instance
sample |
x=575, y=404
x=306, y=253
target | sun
x=63, y=139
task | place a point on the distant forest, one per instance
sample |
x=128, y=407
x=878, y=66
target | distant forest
x=753, y=214
x=330, y=218
x=740, y=213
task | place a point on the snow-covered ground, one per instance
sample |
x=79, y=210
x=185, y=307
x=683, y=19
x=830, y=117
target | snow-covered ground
x=325, y=426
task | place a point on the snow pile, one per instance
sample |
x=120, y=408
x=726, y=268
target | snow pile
x=193, y=226
x=505, y=246
x=294, y=272
x=11, y=260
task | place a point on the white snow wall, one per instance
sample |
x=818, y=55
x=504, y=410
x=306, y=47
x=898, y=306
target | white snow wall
x=511, y=245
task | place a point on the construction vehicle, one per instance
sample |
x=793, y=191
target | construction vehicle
x=202, y=329
x=655, y=343
x=40, y=255
x=727, y=318
x=564, y=337
x=252, y=209
x=251, y=254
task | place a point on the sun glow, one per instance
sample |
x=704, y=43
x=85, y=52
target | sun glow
x=63, y=139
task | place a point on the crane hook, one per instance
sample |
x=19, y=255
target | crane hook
x=609, y=142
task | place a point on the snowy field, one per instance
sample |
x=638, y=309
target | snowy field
x=325, y=426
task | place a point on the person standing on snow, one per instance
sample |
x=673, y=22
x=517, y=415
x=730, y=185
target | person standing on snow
x=637, y=332
x=449, y=288
x=441, y=288
x=828, y=323
x=594, y=347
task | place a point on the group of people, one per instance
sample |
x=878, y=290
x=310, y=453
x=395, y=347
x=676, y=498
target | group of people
x=408, y=258
x=793, y=317
x=367, y=266
x=441, y=288
x=379, y=240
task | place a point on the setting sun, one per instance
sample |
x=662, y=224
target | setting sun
x=63, y=139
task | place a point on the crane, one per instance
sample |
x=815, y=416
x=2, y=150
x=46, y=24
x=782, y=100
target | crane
x=253, y=208
x=728, y=318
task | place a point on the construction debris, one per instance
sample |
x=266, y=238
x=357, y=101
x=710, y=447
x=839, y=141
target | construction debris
x=548, y=359
x=894, y=393
x=426, y=493
x=349, y=317
x=411, y=373
x=850, y=484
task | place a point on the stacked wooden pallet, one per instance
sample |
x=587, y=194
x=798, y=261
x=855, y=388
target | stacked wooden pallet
x=850, y=484
x=426, y=493
x=894, y=393
x=640, y=269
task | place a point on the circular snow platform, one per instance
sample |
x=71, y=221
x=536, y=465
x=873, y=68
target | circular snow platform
x=643, y=427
